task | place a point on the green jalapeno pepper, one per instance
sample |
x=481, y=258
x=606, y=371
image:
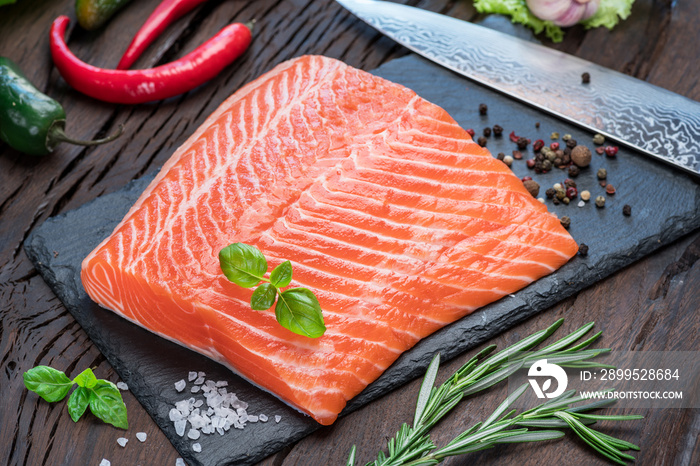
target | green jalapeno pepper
x=30, y=121
x=94, y=13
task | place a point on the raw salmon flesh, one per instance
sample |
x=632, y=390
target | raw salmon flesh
x=388, y=211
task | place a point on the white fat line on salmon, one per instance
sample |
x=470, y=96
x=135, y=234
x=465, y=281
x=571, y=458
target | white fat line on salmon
x=418, y=259
x=394, y=188
x=420, y=265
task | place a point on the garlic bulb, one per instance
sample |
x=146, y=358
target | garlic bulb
x=563, y=12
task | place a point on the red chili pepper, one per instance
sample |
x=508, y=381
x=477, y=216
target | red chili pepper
x=164, y=15
x=162, y=82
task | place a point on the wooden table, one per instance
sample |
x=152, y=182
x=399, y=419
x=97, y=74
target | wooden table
x=651, y=305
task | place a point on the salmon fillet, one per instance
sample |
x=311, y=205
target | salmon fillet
x=389, y=212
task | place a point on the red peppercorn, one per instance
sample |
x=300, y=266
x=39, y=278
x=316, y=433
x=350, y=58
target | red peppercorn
x=571, y=192
x=525, y=178
x=531, y=163
x=611, y=151
x=554, y=146
x=517, y=155
x=471, y=132
x=538, y=145
x=600, y=150
x=610, y=189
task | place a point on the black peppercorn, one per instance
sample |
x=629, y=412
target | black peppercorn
x=574, y=171
x=550, y=193
x=571, y=143
x=481, y=141
x=501, y=156
x=583, y=249
x=586, y=78
x=565, y=221
x=487, y=131
x=483, y=109
x=627, y=210
x=522, y=143
x=537, y=125
x=497, y=130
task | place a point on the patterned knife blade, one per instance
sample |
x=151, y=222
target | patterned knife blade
x=632, y=112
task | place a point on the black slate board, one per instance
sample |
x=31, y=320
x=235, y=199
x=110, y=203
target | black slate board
x=665, y=205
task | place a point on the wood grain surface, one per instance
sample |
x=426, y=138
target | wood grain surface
x=651, y=305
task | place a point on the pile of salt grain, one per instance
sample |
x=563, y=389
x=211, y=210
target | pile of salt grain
x=223, y=410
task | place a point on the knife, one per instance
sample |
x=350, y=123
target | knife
x=631, y=112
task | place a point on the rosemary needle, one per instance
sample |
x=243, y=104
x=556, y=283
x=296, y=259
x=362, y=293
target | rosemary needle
x=412, y=445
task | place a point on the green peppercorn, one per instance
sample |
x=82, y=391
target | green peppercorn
x=600, y=201
x=602, y=173
x=598, y=139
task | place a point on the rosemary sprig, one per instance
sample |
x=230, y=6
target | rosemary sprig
x=413, y=446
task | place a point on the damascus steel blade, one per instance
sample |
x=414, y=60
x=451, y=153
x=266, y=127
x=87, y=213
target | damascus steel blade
x=631, y=112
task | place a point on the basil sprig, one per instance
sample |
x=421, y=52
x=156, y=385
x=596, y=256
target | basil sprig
x=297, y=309
x=101, y=396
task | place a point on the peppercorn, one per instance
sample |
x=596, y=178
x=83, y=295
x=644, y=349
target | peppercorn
x=530, y=163
x=600, y=201
x=603, y=183
x=471, y=132
x=569, y=183
x=586, y=78
x=550, y=193
x=500, y=156
x=566, y=200
x=497, y=130
x=525, y=178
x=538, y=145
x=627, y=210
x=561, y=194
x=522, y=143
x=571, y=143
x=585, y=195
x=571, y=192
x=483, y=109
x=610, y=189
x=557, y=162
x=487, y=132
x=598, y=139
x=559, y=153
x=566, y=137
x=532, y=186
x=546, y=165
x=565, y=221
x=573, y=171
x=554, y=146
x=583, y=249
x=551, y=155
x=508, y=160
x=611, y=151
x=537, y=124
x=566, y=158
x=600, y=150
x=554, y=135
x=481, y=141
x=556, y=201
x=581, y=156
x=602, y=173
x=517, y=155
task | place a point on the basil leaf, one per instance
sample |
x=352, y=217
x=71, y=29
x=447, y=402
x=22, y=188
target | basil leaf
x=106, y=403
x=86, y=379
x=78, y=402
x=263, y=297
x=243, y=264
x=47, y=382
x=298, y=310
x=281, y=275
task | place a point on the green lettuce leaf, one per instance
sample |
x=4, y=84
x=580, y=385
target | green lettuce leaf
x=608, y=14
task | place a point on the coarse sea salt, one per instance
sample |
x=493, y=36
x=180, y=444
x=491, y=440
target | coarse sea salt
x=141, y=436
x=278, y=418
x=180, y=385
x=180, y=462
x=196, y=447
x=122, y=386
x=122, y=441
x=105, y=462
